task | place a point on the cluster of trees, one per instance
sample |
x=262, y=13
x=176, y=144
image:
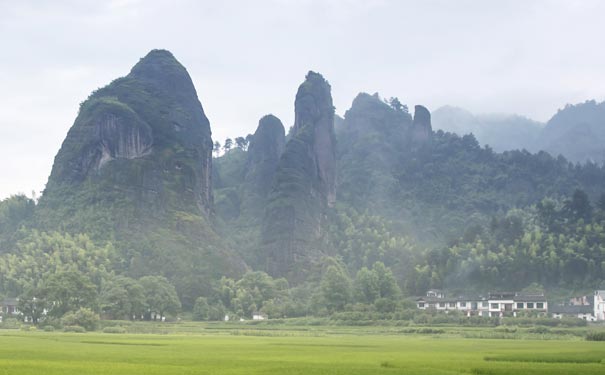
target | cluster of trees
x=333, y=291
x=54, y=275
x=239, y=142
x=555, y=243
x=71, y=296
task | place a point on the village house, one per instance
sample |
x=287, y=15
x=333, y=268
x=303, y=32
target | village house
x=259, y=316
x=590, y=308
x=498, y=304
x=599, y=305
x=573, y=311
x=9, y=307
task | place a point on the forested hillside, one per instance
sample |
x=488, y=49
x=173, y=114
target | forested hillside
x=339, y=214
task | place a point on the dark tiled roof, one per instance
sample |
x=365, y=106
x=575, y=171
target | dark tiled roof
x=529, y=298
x=435, y=299
x=501, y=295
x=471, y=298
x=570, y=309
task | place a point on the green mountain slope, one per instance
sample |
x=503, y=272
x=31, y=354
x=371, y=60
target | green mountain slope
x=135, y=169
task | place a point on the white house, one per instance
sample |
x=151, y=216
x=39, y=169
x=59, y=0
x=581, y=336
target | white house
x=495, y=305
x=599, y=304
x=437, y=293
x=530, y=302
x=573, y=311
x=258, y=316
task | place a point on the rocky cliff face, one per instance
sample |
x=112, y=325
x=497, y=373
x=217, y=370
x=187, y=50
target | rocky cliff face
x=153, y=116
x=136, y=168
x=264, y=152
x=304, y=184
x=370, y=145
x=421, y=127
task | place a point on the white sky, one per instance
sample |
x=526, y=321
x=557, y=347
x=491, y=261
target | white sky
x=247, y=59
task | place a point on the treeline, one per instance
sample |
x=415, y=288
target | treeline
x=64, y=279
x=335, y=291
x=557, y=243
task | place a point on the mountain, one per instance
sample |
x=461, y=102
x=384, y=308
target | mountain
x=134, y=191
x=577, y=132
x=431, y=191
x=371, y=140
x=501, y=132
x=304, y=185
x=136, y=169
x=265, y=150
x=398, y=182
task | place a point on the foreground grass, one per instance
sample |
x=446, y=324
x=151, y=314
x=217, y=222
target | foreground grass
x=332, y=353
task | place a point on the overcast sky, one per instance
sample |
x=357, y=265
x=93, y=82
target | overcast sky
x=247, y=59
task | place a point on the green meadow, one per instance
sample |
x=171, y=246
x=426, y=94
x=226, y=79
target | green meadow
x=318, y=351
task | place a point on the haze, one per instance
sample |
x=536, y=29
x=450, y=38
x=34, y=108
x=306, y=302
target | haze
x=247, y=59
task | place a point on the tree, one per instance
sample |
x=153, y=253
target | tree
x=32, y=305
x=260, y=285
x=387, y=285
x=366, y=286
x=216, y=149
x=122, y=298
x=396, y=105
x=249, y=139
x=242, y=143
x=201, y=309
x=160, y=297
x=601, y=202
x=335, y=289
x=68, y=291
x=579, y=206
x=83, y=317
x=228, y=144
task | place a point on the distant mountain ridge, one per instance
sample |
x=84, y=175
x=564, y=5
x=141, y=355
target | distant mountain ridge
x=577, y=131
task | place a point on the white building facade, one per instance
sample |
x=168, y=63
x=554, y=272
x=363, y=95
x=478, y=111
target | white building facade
x=495, y=305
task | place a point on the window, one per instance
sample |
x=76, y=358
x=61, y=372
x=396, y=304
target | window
x=495, y=306
x=540, y=305
x=420, y=304
x=462, y=304
x=452, y=304
x=484, y=304
x=441, y=304
x=530, y=305
x=519, y=305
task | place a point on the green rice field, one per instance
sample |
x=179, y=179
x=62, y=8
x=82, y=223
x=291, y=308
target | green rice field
x=292, y=352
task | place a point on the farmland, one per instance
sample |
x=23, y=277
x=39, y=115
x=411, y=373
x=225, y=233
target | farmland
x=318, y=350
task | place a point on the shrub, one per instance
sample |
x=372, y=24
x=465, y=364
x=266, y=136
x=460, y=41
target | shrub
x=114, y=330
x=540, y=330
x=201, y=309
x=10, y=323
x=595, y=336
x=48, y=329
x=76, y=329
x=84, y=317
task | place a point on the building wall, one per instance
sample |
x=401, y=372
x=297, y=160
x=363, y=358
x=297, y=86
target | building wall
x=599, y=304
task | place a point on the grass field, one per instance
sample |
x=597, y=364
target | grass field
x=291, y=352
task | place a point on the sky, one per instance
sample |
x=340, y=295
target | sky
x=247, y=58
